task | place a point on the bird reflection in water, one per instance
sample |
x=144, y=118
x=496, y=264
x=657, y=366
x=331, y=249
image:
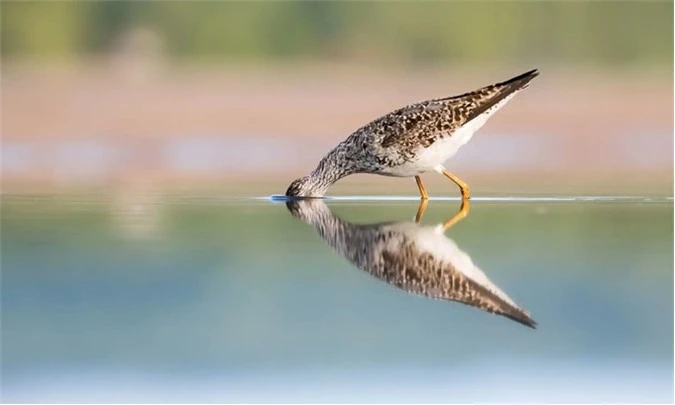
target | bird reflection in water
x=415, y=258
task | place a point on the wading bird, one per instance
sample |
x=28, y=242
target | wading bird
x=412, y=140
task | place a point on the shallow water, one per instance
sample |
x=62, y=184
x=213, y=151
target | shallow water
x=168, y=299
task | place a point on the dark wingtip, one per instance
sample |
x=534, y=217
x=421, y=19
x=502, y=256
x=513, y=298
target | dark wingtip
x=504, y=89
x=531, y=323
x=521, y=80
x=523, y=320
x=533, y=73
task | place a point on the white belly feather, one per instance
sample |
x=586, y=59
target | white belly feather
x=436, y=154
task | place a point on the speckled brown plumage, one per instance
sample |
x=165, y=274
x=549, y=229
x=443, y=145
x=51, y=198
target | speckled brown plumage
x=395, y=144
x=421, y=124
x=421, y=273
x=398, y=254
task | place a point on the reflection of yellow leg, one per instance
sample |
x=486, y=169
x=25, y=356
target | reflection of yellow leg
x=463, y=212
x=421, y=209
x=462, y=185
x=423, y=192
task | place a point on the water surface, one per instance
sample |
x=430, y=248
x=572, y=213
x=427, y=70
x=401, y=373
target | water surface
x=145, y=297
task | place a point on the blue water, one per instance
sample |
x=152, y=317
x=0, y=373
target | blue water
x=163, y=298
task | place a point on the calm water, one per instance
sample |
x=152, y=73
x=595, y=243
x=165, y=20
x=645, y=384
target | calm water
x=148, y=298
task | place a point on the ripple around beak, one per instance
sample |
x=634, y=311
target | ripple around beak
x=279, y=197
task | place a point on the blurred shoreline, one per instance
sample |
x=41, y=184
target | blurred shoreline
x=139, y=122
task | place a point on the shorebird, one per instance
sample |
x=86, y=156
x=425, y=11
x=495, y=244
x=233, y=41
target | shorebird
x=417, y=259
x=412, y=140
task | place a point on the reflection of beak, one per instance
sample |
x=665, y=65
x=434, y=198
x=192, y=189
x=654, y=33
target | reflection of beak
x=294, y=207
x=462, y=213
x=306, y=208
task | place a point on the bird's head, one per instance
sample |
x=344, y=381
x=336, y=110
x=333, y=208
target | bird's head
x=308, y=186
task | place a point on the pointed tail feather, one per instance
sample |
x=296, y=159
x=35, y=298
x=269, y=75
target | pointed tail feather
x=520, y=81
x=522, y=318
x=498, y=92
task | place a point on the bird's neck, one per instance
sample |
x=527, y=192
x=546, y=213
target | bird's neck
x=331, y=168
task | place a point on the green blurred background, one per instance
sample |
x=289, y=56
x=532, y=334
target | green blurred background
x=597, y=33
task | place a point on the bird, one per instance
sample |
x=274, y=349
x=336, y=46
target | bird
x=412, y=140
x=418, y=259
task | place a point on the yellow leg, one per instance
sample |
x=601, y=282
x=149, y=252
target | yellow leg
x=423, y=191
x=421, y=209
x=462, y=185
x=463, y=212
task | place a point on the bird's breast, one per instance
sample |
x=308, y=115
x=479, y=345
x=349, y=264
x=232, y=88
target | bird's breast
x=442, y=149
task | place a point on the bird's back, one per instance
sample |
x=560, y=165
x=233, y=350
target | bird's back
x=398, y=137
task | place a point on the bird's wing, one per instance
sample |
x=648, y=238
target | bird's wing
x=421, y=123
x=423, y=274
